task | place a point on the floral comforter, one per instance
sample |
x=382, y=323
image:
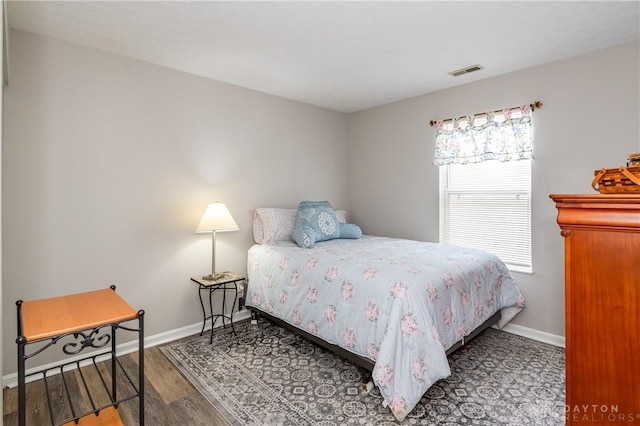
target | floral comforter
x=401, y=303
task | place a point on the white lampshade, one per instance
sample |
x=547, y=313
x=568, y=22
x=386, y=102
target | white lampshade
x=216, y=218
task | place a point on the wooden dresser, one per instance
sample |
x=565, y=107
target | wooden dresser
x=602, y=290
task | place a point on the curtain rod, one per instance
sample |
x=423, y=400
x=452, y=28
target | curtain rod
x=535, y=105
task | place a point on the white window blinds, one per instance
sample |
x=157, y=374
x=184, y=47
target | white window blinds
x=487, y=205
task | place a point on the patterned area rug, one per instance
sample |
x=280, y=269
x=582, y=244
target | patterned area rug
x=269, y=376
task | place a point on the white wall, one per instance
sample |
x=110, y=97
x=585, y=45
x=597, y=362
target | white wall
x=109, y=163
x=590, y=120
x=4, y=77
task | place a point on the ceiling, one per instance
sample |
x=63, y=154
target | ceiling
x=345, y=56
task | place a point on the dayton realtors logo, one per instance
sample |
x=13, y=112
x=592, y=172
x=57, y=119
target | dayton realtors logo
x=598, y=414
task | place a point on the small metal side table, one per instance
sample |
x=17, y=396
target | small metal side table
x=74, y=323
x=229, y=281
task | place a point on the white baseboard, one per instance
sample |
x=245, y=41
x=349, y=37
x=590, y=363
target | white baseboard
x=11, y=380
x=530, y=333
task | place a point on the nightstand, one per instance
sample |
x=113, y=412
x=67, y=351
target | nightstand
x=228, y=281
x=74, y=323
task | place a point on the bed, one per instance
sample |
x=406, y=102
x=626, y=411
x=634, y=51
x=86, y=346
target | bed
x=393, y=306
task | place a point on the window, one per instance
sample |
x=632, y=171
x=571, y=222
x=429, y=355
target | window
x=487, y=206
x=485, y=183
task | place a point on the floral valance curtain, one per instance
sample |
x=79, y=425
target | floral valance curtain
x=502, y=136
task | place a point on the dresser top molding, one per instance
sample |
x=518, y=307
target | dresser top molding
x=605, y=211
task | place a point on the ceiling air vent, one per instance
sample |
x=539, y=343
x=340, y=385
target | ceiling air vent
x=466, y=70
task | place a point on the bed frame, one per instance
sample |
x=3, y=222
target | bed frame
x=361, y=361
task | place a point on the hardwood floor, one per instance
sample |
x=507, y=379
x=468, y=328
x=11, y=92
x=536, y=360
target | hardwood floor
x=169, y=398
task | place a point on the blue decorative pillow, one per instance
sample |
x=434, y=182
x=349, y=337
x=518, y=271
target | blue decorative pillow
x=316, y=221
x=350, y=231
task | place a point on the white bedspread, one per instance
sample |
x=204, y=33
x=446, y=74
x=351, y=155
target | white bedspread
x=401, y=303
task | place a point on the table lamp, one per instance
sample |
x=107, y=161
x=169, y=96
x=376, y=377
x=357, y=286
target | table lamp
x=215, y=219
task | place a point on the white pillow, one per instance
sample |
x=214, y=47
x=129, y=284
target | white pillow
x=341, y=215
x=272, y=224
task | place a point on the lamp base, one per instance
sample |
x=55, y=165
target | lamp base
x=215, y=277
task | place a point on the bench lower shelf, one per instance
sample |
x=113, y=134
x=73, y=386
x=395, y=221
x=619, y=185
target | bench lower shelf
x=107, y=417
